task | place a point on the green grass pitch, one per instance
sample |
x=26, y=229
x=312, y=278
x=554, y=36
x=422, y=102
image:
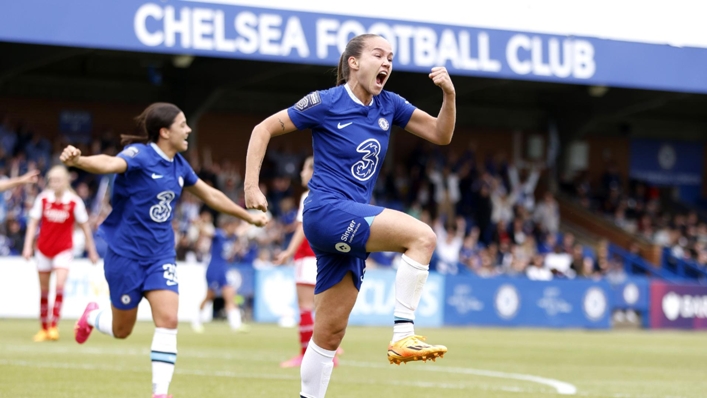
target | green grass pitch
x=481, y=363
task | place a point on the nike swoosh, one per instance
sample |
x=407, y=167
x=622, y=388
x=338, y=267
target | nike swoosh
x=341, y=126
x=156, y=176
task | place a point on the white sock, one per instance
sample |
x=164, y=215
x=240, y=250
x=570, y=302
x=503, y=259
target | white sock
x=102, y=320
x=196, y=321
x=402, y=330
x=163, y=355
x=315, y=371
x=234, y=318
x=409, y=281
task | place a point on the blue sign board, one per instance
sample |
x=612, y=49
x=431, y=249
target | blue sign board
x=662, y=162
x=632, y=294
x=502, y=301
x=215, y=29
x=276, y=298
x=242, y=278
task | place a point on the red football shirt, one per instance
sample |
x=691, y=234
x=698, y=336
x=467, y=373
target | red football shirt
x=304, y=250
x=57, y=217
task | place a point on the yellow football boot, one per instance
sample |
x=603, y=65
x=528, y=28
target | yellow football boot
x=414, y=348
x=53, y=334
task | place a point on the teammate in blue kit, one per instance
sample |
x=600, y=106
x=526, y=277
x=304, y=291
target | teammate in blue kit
x=223, y=251
x=350, y=126
x=140, y=259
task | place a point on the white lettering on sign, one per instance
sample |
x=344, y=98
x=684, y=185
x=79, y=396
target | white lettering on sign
x=275, y=35
x=532, y=55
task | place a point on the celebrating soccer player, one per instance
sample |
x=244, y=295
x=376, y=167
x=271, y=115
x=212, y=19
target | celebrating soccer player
x=140, y=260
x=350, y=126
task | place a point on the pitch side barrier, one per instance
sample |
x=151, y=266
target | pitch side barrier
x=446, y=300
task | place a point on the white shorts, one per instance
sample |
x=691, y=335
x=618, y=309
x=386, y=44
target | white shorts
x=306, y=271
x=61, y=260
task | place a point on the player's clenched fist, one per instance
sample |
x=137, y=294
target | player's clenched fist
x=254, y=199
x=440, y=77
x=70, y=155
x=259, y=220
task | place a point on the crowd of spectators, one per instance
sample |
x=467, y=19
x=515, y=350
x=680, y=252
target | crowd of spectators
x=646, y=211
x=488, y=213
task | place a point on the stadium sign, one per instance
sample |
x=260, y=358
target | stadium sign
x=678, y=306
x=275, y=298
x=506, y=301
x=222, y=29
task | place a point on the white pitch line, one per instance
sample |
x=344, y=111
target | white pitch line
x=221, y=355
x=240, y=375
x=560, y=386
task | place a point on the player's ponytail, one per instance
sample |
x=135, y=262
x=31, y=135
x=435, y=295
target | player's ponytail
x=155, y=117
x=354, y=48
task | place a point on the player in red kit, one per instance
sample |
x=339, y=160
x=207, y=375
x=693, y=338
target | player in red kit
x=55, y=211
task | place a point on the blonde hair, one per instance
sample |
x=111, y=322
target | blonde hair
x=62, y=172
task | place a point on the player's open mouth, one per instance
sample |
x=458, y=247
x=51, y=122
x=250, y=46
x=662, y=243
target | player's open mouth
x=380, y=78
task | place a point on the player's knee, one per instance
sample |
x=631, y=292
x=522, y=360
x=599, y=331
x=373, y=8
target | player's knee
x=167, y=321
x=122, y=332
x=426, y=240
x=332, y=339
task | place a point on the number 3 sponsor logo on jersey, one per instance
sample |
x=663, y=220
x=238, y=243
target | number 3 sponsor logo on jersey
x=162, y=210
x=365, y=168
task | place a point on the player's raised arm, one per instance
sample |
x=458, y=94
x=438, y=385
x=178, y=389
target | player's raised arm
x=96, y=164
x=28, y=178
x=277, y=124
x=221, y=203
x=438, y=130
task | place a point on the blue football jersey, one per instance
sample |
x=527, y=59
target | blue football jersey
x=349, y=139
x=221, y=250
x=143, y=200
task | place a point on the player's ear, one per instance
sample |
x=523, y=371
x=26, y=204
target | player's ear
x=164, y=133
x=353, y=63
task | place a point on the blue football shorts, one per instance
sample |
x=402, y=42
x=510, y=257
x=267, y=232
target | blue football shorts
x=338, y=231
x=128, y=278
x=216, y=278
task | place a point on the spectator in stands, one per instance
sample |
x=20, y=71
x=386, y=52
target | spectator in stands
x=450, y=239
x=547, y=214
x=446, y=186
x=488, y=265
x=523, y=185
x=536, y=271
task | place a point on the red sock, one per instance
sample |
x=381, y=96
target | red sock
x=44, y=309
x=58, y=301
x=306, y=328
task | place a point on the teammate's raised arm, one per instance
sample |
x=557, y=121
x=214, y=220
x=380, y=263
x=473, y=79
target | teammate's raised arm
x=96, y=164
x=277, y=124
x=438, y=130
x=28, y=178
x=221, y=203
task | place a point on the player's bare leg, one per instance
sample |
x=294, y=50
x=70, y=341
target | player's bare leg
x=396, y=231
x=196, y=324
x=233, y=313
x=333, y=308
x=43, y=334
x=165, y=305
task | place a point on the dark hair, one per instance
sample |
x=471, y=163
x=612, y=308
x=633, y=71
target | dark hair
x=354, y=48
x=155, y=117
